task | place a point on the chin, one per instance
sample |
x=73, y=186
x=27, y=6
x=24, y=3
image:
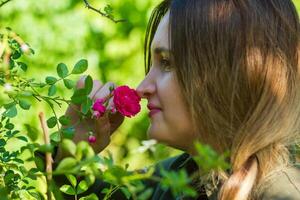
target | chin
x=163, y=138
x=159, y=136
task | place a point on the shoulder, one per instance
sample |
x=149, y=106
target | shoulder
x=283, y=185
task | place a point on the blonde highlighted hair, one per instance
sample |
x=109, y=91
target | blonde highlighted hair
x=237, y=62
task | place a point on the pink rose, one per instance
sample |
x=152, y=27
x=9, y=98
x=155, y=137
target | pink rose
x=98, y=108
x=127, y=101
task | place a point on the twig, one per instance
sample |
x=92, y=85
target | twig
x=102, y=13
x=4, y=2
x=48, y=154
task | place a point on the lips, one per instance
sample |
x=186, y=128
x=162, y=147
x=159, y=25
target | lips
x=152, y=112
x=153, y=109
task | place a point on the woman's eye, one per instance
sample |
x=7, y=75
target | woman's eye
x=165, y=63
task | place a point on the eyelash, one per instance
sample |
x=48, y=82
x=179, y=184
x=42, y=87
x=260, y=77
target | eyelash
x=165, y=64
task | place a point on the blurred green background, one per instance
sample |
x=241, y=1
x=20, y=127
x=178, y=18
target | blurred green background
x=297, y=3
x=66, y=31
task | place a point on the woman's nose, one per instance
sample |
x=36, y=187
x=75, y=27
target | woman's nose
x=146, y=88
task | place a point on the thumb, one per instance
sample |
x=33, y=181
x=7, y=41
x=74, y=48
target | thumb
x=80, y=82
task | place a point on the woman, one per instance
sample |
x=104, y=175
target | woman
x=226, y=73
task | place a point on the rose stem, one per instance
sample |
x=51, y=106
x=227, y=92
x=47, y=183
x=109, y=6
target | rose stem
x=48, y=154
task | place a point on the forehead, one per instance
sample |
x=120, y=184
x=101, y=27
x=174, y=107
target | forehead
x=161, y=39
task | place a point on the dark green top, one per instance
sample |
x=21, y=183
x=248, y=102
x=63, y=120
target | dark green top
x=284, y=184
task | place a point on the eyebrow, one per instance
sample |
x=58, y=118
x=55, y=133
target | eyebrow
x=159, y=50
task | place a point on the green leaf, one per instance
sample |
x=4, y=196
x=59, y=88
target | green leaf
x=111, y=88
x=19, y=160
x=90, y=197
x=11, y=112
x=80, y=67
x=39, y=163
x=82, y=187
x=52, y=90
x=55, y=137
x=23, y=138
x=69, y=83
x=41, y=85
x=69, y=146
x=16, y=55
x=11, y=64
x=64, y=120
x=46, y=148
x=90, y=178
x=2, y=142
x=32, y=51
x=51, y=122
x=9, y=105
x=84, y=150
x=86, y=105
x=51, y=80
x=67, y=189
x=36, y=195
x=79, y=96
x=23, y=66
x=24, y=104
x=62, y=70
x=26, y=93
x=9, y=126
x=68, y=132
x=66, y=164
x=32, y=132
x=146, y=194
x=108, y=9
x=126, y=192
x=88, y=84
x=72, y=179
x=4, y=193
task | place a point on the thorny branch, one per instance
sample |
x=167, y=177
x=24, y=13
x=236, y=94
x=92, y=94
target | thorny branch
x=4, y=2
x=102, y=13
x=87, y=4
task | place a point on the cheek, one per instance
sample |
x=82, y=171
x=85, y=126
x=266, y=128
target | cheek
x=176, y=115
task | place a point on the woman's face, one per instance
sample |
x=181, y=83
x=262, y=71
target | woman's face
x=170, y=120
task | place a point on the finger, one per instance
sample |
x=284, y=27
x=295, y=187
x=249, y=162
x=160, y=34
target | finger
x=113, y=114
x=115, y=117
x=80, y=82
x=104, y=91
x=110, y=105
x=97, y=85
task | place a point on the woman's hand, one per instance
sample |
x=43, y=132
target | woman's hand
x=102, y=127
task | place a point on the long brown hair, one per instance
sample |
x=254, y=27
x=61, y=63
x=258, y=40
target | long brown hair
x=237, y=62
